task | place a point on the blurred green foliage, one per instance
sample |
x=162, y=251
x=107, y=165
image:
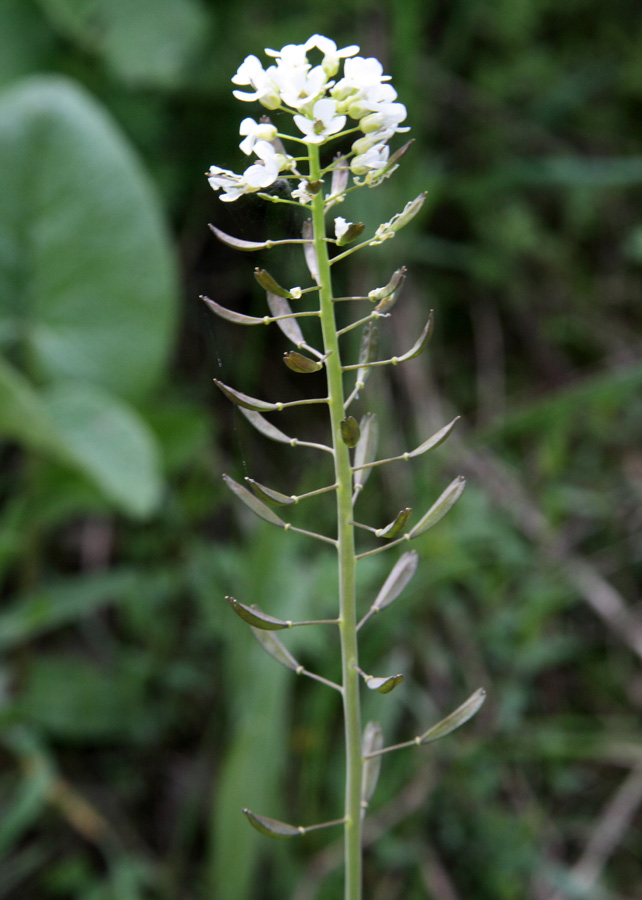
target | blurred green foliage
x=136, y=715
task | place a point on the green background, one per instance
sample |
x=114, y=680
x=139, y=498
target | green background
x=137, y=714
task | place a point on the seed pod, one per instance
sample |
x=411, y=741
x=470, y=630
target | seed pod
x=245, y=400
x=279, y=306
x=258, y=508
x=372, y=740
x=231, y=316
x=440, y=507
x=354, y=231
x=274, y=498
x=268, y=283
x=297, y=362
x=366, y=449
x=256, y=617
x=382, y=685
x=272, y=645
x=401, y=573
x=462, y=714
x=272, y=827
x=350, y=431
x=396, y=526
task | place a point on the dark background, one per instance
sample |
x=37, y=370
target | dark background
x=136, y=713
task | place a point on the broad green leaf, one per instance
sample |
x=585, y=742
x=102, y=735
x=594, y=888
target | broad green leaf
x=462, y=714
x=149, y=42
x=90, y=430
x=23, y=417
x=25, y=40
x=256, y=617
x=440, y=507
x=272, y=827
x=258, y=508
x=109, y=442
x=87, y=272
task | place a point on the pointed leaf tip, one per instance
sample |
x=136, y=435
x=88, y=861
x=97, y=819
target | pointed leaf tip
x=272, y=827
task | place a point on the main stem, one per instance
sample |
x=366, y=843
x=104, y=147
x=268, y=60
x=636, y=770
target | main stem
x=346, y=549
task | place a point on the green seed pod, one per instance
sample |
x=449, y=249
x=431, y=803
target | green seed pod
x=396, y=526
x=350, y=431
x=300, y=363
x=462, y=714
x=256, y=617
x=272, y=827
x=270, y=284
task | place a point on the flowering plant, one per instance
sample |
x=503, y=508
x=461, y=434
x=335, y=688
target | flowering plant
x=360, y=105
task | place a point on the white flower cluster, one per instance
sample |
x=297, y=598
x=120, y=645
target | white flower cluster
x=321, y=108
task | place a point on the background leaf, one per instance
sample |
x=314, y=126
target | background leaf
x=87, y=280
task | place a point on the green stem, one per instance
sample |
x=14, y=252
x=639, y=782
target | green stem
x=345, y=549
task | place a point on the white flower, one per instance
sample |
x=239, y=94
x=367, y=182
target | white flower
x=302, y=193
x=265, y=91
x=371, y=161
x=299, y=86
x=255, y=131
x=264, y=172
x=386, y=118
x=323, y=123
x=340, y=227
x=260, y=174
x=292, y=55
x=331, y=56
x=233, y=186
x=359, y=76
